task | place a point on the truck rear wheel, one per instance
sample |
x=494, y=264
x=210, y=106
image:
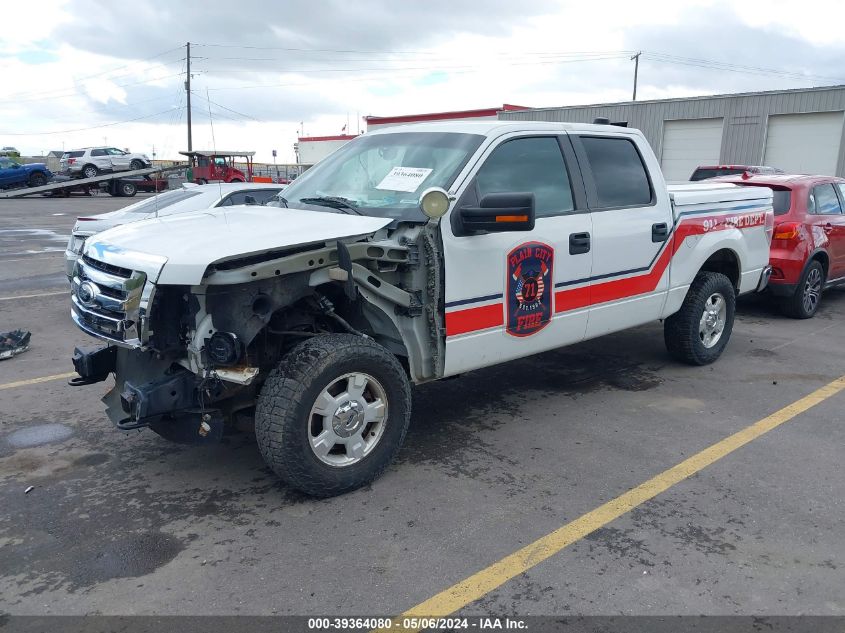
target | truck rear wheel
x=334, y=413
x=127, y=189
x=698, y=333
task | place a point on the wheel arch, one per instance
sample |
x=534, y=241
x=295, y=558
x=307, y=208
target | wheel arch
x=725, y=261
x=823, y=257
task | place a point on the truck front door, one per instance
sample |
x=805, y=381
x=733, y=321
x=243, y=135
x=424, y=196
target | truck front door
x=502, y=288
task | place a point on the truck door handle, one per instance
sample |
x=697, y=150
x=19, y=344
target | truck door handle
x=579, y=243
x=659, y=232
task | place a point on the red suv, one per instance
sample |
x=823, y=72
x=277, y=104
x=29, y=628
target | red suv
x=808, y=246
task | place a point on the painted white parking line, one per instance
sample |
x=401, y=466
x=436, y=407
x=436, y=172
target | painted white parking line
x=804, y=336
x=29, y=259
x=40, y=294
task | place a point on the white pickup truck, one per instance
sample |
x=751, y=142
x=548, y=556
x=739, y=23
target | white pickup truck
x=411, y=254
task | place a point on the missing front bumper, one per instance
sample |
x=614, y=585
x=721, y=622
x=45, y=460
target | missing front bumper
x=93, y=364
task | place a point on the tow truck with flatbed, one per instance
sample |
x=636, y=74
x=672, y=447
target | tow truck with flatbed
x=116, y=184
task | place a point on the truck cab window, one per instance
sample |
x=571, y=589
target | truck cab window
x=618, y=171
x=529, y=164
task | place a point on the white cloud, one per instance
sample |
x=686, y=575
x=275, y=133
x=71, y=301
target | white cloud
x=375, y=58
x=102, y=90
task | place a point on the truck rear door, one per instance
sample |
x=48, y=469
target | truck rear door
x=501, y=287
x=632, y=221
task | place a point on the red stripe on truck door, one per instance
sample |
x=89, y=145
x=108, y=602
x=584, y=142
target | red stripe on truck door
x=472, y=319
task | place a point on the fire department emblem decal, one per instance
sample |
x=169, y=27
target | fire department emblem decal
x=529, y=288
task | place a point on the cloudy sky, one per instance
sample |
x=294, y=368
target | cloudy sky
x=82, y=72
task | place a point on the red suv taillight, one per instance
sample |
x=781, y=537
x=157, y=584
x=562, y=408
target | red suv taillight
x=787, y=231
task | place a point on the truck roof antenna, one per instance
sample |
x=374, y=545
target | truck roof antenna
x=601, y=120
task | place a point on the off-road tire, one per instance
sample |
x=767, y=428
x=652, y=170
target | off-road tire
x=681, y=330
x=90, y=171
x=37, y=179
x=794, y=306
x=284, y=405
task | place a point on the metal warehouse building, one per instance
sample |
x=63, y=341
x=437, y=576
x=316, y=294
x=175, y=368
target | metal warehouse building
x=800, y=131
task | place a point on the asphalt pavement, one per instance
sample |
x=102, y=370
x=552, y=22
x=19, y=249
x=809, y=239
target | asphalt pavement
x=126, y=523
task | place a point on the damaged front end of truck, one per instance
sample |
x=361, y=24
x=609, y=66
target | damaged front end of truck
x=189, y=358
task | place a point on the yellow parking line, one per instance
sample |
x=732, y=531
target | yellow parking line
x=483, y=582
x=35, y=381
x=41, y=294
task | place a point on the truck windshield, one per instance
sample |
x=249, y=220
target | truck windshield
x=384, y=174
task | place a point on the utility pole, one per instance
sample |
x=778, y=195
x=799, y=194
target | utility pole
x=636, y=59
x=188, y=90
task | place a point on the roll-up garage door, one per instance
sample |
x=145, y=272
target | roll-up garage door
x=688, y=143
x=804, y=143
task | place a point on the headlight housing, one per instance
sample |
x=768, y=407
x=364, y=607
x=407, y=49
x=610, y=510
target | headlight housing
x=77, y=243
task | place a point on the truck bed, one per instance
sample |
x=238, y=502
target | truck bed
x=692, y=197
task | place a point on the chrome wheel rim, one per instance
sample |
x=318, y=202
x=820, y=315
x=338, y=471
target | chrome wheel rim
x=812, y=291
x=347, y=419
x=712, y=323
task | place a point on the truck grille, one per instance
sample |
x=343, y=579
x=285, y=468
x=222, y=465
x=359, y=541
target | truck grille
x=108, y=301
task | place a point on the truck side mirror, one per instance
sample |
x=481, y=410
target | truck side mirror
x=498, y=213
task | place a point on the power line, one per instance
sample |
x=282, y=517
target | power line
x=246, y=116
x=393, y=69
x=93, y=127
x=395, y=52
x=308, y=50
x=140, y=61
x=736, y=68
x=50, y=93
x=76, y=92
x=434, y=58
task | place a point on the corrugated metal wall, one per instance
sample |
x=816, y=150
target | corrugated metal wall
x=745, y=117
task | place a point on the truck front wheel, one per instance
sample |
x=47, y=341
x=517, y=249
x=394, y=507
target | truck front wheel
x=333, y=414
x=698, y=333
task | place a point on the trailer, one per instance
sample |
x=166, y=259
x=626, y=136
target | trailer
x=117, y=184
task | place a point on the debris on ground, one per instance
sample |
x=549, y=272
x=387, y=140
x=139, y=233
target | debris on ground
x=13, y=343
x=28, y=490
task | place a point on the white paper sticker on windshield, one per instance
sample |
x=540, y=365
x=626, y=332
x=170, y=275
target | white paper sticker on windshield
x=404, y=179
